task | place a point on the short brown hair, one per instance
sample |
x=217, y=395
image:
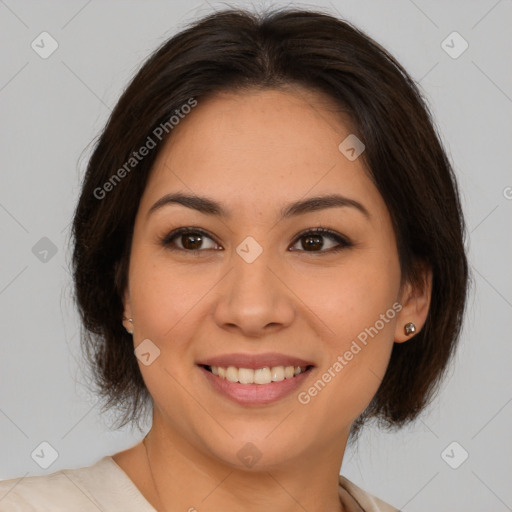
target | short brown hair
x=235, y=50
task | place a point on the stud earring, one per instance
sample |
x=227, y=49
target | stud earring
x=130, y=331
x=409, y=328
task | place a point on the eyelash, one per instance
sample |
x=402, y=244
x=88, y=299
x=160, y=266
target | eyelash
x=343, y=242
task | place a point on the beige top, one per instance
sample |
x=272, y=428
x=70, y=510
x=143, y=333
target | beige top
x=105, y=487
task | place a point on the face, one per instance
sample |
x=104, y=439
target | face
x=248, y=283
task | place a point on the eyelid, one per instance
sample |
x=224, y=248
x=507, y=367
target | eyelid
x=167, y=239
x=342, y=241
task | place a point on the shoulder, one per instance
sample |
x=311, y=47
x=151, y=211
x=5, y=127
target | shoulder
x=57, y=491
x=365, y=500
x=102, y=486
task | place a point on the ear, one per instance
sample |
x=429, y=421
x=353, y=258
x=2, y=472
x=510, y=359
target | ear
x=127, y=313
x=415, y=301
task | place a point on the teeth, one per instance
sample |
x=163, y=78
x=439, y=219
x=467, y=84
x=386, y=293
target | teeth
x=264, y=375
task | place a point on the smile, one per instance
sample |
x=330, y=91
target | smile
x=255, y=387
x=261, y=376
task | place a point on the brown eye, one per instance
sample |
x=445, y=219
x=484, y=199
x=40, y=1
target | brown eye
x=319, y=240
x=313, y=241
x=190, y=240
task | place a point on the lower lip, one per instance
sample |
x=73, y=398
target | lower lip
x=255, y=394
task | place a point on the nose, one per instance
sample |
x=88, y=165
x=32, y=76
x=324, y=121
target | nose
x=254, y=298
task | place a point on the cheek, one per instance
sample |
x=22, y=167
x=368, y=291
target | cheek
x=162, y=294
x=352, y=295
x=360, y=315
x=358, y=304
x=163, y=305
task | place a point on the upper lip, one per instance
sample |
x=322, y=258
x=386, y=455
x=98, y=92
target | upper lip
x=254, y=361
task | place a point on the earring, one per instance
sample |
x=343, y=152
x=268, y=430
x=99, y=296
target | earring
x=409, y=328
x=130, y=331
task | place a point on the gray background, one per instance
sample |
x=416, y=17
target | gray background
x=51, y=109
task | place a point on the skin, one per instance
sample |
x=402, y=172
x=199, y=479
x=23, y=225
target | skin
x=254, y=152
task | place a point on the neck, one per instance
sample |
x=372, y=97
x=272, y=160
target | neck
x=184, y=478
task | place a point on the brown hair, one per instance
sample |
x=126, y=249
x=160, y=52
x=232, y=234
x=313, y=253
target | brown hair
x=238, y=50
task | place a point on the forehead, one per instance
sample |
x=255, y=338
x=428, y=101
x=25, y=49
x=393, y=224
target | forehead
x=260, y=145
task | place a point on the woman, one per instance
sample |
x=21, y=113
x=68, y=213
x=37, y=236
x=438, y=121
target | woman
x=260, y=261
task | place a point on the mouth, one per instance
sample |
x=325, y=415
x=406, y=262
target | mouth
x=255, y=379
x=259, y=376
x=255, y=387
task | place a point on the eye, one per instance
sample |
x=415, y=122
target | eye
x=193, y=240
x=313, y=240
x=188, y=239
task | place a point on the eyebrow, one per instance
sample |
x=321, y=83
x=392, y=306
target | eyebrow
x=211, y=207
